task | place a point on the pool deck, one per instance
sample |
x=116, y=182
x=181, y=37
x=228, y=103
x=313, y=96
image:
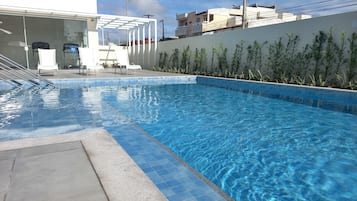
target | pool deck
x=106, y=73
x=92, y=165
x=86, y=165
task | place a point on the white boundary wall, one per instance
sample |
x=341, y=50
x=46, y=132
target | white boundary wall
x=305, y=29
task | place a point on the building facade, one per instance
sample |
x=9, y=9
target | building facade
x=194, y=24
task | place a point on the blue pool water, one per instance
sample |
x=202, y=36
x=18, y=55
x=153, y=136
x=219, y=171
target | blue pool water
x=252, y=147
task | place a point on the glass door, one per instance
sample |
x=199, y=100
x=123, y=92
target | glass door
x=12, y=40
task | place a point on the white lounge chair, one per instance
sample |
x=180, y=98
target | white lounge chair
x=88, y=60
x=122, y=57
x=47, y=60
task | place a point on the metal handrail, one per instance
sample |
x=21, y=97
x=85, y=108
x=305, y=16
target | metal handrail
x=8, y=80
x=17, y=71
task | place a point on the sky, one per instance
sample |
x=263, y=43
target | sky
x=167, y=9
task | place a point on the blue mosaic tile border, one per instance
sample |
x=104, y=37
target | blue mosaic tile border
x=173, y=179
x=91, y=82
x=125, y=81
x=327, y=98
x=176, y=181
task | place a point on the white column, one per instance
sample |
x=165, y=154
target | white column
x=144, y=44
x=149, y=35
x=129, y=41
x=138, y=45
x=149, y=41
x=155, y=46
x=155, y=35
x=133, y=45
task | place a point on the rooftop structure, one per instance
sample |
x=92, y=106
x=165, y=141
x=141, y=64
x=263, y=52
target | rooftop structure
x=193, y=23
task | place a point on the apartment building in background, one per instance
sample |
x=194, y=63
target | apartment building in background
x=198, y=23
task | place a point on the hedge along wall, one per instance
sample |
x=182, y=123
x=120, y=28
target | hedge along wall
x=320, y=51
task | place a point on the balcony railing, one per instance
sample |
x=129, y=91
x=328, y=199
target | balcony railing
x=197, y=28
x=181, y=31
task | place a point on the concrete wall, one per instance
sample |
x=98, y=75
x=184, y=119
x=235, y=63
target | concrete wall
x=305, y=29
x=83, y=6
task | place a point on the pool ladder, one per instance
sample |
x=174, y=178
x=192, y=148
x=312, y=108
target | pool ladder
x=20, y=78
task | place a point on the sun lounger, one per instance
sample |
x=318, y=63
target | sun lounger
x=122, y=57
x=88, y=60
x=47, y=60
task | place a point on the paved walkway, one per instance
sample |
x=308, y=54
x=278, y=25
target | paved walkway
x=85, y=166
x=49, y=172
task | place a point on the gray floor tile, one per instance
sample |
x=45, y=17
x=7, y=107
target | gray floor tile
x=62, y=172
x=5, y=176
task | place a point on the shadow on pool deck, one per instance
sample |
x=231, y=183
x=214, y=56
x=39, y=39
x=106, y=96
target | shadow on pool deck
x=86, y=165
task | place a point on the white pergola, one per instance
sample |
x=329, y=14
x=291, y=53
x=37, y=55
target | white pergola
x=138, y=29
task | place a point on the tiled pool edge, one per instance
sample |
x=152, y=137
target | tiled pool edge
x=124, y=81
x=175, y=178
x=328, y=98
x=97, y=81
x=195, y=172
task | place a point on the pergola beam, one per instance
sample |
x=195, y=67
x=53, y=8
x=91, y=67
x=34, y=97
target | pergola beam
x=134, y=26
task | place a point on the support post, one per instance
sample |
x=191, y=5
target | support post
x=26, y=48
x=244, y=18
x=149, y=45
x=144, y=44
x=133, y=43
x=103, y=36
x=155, y=36
x=129, y=41
x=138, y=44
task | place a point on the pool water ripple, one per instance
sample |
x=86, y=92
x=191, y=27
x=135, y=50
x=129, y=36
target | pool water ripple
x=252, y=147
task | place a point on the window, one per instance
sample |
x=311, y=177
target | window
x=182, y=23
x=205, y=18
x=211, y=18
x=198, y=20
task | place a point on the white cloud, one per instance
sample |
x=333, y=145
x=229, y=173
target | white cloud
x=147, y=6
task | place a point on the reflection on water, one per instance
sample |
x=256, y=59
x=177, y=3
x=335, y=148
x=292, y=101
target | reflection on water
x=9, y=106
x=65, y=110
x=145, y=110
x=50, y=98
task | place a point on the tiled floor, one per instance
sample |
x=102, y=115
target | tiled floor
x=33, y=174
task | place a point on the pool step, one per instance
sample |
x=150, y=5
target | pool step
x=20, y=77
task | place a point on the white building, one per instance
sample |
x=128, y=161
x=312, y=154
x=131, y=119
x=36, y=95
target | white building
x=193, y=23
x=26, y=24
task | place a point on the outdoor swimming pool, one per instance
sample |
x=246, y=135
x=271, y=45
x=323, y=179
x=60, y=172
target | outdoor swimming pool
x=251, y=146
